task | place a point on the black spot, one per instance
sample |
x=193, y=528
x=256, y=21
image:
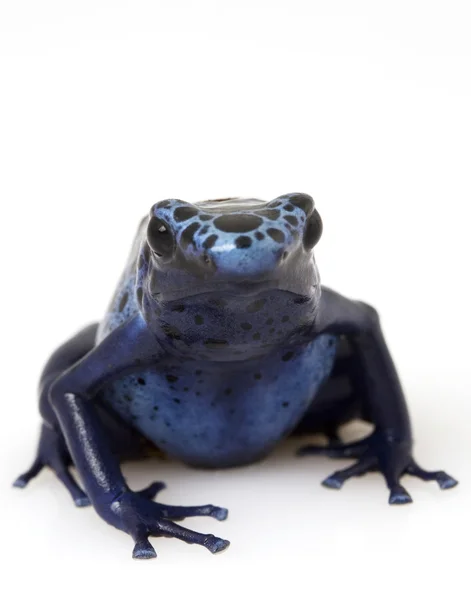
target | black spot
x=276, y=235
x=171, y=378
x=228, y=391
x=269, y=321
x=285, y=404
x=256, y=306
x=171, y=331
x=163, y=204
x=272, y=330
x=291, y=219
x=246, y=326
x=302, y=300
x=210, y=241
x=256, y=336
x=232, y=411
x=198, y=393
x=258, y=375
x=303, y=201
x=243, y=241
x=205, y=217
x=289, y=207
x=273, y=215
x=178, y=308
x=237, y=223
x=200, y=381
x=284, y=319
x=141, y=381
x=187, y=236
x=128, y=398
x=177, y=400
x=204, y=230
x=288, y=356
x=156, y=408
x=259, y=235
x=215, y=344
x=183, y=213
x=123, y=301
x=198, y=372
x=185, y=389
x=139, y=295
x=199, y=320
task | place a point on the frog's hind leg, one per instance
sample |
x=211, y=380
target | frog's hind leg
x=338, y=401
x=52, y=450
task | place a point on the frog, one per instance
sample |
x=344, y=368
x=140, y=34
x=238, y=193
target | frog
x=219, y=343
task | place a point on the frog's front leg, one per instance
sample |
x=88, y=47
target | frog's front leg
x=389, y=448
x=71, y=396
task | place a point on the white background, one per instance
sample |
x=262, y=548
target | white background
x=108, y=107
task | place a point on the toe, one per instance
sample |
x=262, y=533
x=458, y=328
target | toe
x=153, y=489
x=144, y=550
x=20, y=483
x=446, y=482
x=215, y=544
x=219, y=513
x=333, y=482
x=399, y=495
x=82, y=501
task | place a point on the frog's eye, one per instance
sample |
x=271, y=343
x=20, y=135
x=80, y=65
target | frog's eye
x=160, y=238
x=312, y=230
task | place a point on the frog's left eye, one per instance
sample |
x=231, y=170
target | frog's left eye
x=160, y=238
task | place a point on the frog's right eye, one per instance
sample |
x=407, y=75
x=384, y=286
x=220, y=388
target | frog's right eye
x=160, y=238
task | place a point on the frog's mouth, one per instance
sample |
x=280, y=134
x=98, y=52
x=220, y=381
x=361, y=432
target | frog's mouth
x=241, y=288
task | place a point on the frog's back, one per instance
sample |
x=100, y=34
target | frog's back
x=124, y=303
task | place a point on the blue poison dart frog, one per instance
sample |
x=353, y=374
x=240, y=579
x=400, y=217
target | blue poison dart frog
x=219, y=342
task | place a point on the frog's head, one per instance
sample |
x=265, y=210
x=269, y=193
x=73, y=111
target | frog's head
x=232, y=246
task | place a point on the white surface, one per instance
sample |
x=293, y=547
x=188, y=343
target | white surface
x=107, y=107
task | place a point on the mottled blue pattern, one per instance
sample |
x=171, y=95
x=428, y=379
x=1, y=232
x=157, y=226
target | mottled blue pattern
x=223, y=417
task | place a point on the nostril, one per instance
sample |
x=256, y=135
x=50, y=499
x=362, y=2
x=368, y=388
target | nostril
x=206, y=258
x=284, y=256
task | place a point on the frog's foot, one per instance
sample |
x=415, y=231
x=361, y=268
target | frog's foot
x=136, y=514
x=53, y=453
x=378, y=453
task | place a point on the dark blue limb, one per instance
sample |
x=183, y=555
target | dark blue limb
x=389, y=448
x=71, y=395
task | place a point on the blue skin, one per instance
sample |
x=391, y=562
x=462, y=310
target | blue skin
x=218, y=343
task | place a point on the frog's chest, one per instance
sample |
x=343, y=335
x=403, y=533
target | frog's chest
x=219, y=417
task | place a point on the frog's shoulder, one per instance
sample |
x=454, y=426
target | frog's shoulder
x=124, y=304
